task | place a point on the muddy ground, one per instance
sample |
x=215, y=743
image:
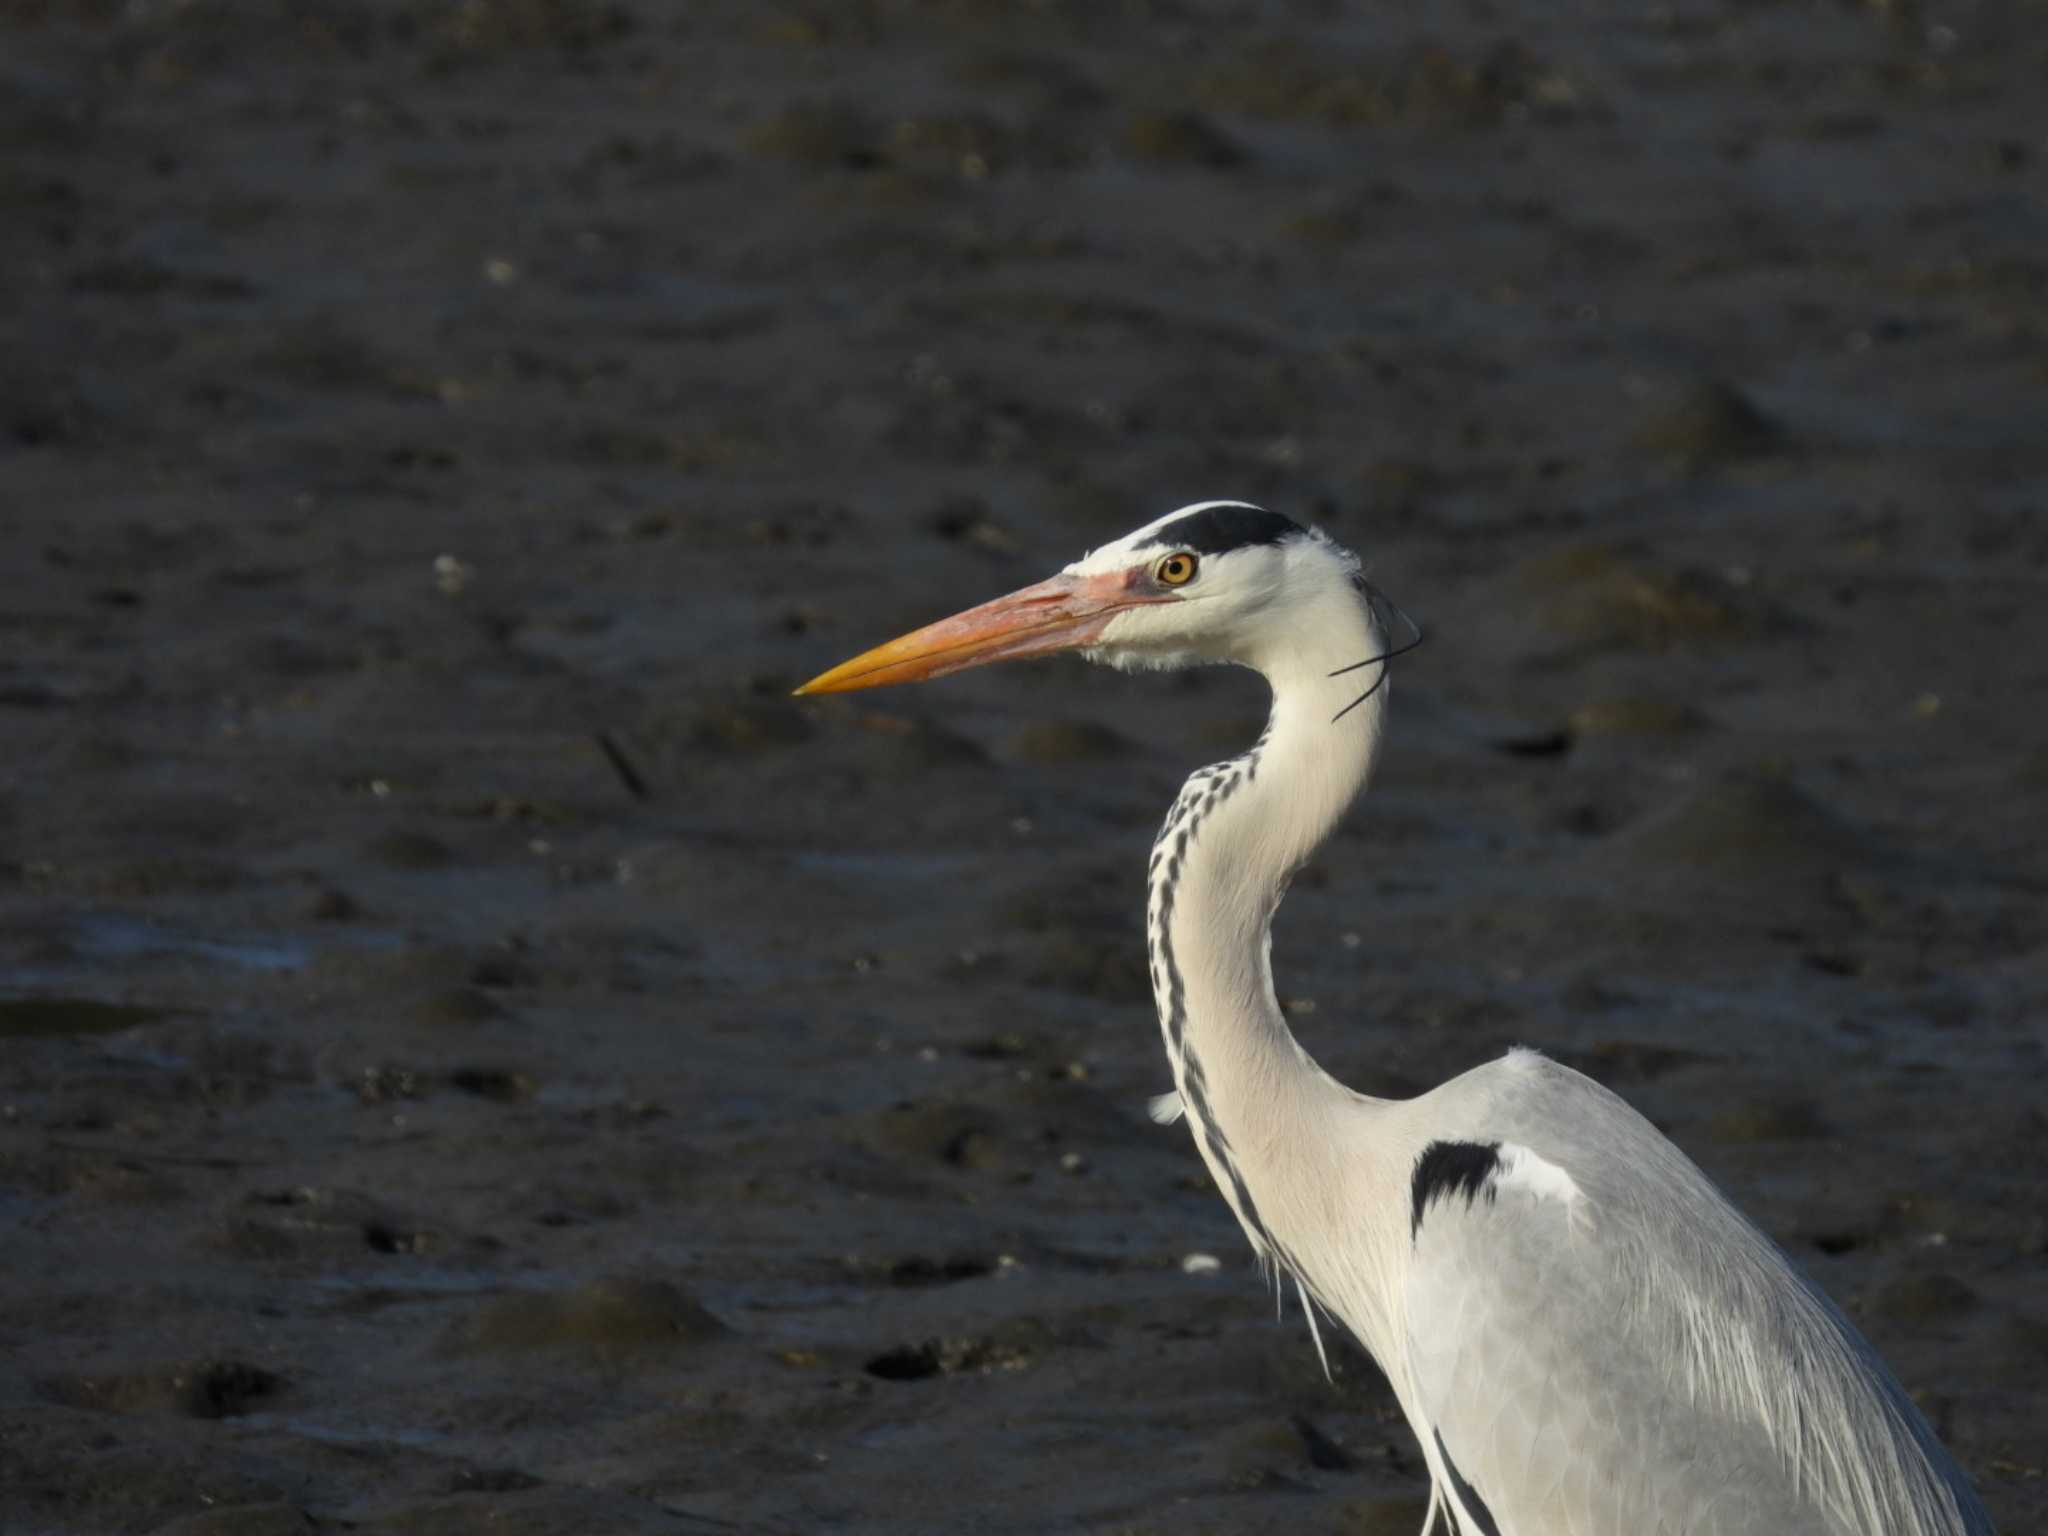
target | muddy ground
x=479, y=1057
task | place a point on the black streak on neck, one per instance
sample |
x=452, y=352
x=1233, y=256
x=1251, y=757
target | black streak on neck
x=1205, y=790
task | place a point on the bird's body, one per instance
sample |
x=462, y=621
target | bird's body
x=1587, y=1338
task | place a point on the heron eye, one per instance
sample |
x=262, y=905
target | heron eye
x=1176, y=570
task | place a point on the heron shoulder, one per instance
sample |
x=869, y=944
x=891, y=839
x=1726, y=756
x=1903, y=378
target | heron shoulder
x=1594, y=1257
x=1593, y=1138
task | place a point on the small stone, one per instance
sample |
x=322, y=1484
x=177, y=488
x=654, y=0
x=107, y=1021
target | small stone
x=450, y=574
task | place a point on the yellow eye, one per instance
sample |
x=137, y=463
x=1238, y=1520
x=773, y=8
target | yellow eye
x=1176, y=570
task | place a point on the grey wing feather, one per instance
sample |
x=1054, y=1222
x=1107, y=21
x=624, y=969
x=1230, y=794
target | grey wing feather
x=1550, y=1417
x=1605, y=1348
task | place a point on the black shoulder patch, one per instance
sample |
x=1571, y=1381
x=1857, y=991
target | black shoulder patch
x=1216, y=530
x=1468, y=1496
x=1451, y=1168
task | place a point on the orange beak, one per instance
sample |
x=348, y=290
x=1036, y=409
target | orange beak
x=1065, y=613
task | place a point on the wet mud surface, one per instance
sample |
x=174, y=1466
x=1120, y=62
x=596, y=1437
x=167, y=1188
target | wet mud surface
x=478, y=1056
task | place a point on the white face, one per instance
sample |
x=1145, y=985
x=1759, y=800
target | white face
x=1236, y=575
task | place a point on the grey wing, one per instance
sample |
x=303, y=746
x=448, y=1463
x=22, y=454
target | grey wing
x=1551, y=1398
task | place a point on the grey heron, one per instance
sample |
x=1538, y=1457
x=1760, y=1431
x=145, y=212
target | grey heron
x=1587, y=1337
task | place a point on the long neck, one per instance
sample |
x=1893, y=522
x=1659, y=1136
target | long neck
x=1235, y=836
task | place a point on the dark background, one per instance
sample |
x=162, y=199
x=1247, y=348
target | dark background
x=478, y=1056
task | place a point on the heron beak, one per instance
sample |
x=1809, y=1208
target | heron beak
x=1065, y=613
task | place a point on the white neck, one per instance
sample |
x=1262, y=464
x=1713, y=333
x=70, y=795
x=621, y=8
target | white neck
x=1235, y=836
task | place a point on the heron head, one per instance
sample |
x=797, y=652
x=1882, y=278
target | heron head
x=1221, y=581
